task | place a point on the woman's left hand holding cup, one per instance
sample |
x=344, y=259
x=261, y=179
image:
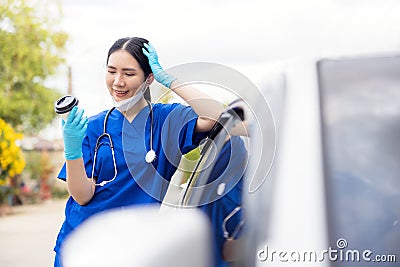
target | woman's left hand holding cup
x=74, y=130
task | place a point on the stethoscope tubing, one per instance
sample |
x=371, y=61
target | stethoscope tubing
x=150, y=155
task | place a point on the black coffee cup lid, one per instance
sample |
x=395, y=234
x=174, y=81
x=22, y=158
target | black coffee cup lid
x=65, y=104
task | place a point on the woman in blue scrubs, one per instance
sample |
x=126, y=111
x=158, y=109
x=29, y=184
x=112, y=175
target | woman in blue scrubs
x=97, y=181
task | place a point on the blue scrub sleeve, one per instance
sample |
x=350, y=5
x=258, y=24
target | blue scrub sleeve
x=186, y=122
x=188, y=138
x=178, y=129
x=87, y=159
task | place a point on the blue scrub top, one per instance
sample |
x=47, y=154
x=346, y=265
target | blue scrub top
x=137, y=182
x=229, y=169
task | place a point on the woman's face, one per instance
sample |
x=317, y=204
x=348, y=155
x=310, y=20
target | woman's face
x=124, y=75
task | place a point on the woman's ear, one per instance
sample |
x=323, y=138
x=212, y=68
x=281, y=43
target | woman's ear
x=150, y=79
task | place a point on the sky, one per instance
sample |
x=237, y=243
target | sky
x=249, y=36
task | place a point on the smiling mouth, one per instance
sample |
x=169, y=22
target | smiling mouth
x=120, y=93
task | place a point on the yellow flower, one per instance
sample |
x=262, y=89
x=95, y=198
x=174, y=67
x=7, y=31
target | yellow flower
x=11, y=158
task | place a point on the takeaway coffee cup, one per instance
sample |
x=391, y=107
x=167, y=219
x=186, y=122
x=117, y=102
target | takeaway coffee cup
x=64, y=105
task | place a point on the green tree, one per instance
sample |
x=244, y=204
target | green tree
x=31, y=49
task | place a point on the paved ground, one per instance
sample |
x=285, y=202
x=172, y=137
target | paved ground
x=27, y=235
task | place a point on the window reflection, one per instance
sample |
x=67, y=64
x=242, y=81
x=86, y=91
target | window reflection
x=360, y=105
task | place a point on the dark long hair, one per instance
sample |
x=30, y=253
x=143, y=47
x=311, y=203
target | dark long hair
x=134, y=45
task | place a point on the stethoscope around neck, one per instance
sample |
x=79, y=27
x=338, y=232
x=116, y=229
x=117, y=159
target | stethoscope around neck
x=150, y=155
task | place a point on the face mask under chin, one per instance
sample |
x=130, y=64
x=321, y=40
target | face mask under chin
x=127, y=104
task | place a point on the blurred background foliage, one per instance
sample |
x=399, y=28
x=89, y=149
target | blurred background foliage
x=31, y=49
x=12, y=162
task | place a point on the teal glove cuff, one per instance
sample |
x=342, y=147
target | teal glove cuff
x=159, y=74
x=164, y=78
x=74, y=130
x=72, y=155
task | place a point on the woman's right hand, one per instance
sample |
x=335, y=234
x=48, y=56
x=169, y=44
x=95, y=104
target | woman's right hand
x=74, y=130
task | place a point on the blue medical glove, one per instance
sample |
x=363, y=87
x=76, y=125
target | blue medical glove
x=159, y=74
x=74, y=130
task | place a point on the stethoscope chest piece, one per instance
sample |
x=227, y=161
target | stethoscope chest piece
x=150, y=156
